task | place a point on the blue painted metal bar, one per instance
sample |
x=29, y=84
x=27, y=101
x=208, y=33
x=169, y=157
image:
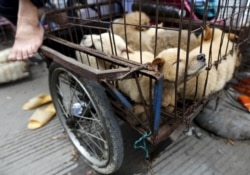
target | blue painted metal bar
x=116, y=94
x=157, y=102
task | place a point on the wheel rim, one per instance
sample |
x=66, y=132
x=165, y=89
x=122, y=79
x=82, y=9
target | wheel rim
x=80, y=117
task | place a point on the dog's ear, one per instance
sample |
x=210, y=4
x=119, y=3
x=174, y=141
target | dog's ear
x=207, y=33
x=233, y=37
x=138, y=28
x=127, y=50
x=157, y=64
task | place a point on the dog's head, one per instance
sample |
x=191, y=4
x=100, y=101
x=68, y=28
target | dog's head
x=139, y=20
x=108, y=43
x=211, y=34
x=216, y=34
x=167, y=62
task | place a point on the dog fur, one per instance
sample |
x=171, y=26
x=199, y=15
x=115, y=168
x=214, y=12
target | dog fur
x=129, y=86
x=166, y=63
x=134, y=21
x=107, y=43
x=218, y=74
x=152, y=29
x=137, y=56
x=12, y=70
x=169, y=39
x=132, y=28
x=4, y=55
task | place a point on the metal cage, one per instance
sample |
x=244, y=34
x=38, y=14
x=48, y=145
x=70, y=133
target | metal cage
x=70, y=22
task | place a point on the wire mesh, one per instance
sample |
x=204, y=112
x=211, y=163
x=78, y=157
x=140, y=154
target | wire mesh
x=115, y=34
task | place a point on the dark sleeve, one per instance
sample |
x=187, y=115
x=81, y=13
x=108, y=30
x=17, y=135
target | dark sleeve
x=9, y=10
x=39, y=3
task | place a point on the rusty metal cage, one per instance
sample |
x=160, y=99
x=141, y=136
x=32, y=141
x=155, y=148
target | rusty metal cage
x=82, y=37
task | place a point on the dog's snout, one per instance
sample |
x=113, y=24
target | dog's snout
x=201, y=57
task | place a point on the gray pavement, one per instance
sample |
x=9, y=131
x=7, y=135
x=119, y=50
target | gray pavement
x=46, y=151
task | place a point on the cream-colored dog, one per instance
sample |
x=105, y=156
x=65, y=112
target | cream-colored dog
x=129, y=86
x=4, y=55
x=12, y=70
x=167, y=38
x=152, y=29
x=221, y=61
x=132, y=28
x=106, y=43
x=166, y=62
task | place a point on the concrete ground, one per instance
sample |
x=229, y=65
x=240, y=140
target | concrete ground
x=46, y=151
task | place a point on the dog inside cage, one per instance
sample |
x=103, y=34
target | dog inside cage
x=159, y=62
x=150, y=30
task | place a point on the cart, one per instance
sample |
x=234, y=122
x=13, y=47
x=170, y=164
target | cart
x=88, y=100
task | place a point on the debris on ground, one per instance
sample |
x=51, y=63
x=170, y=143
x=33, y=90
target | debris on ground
x=74, y=154
x=60, y=136
x=193, y=131
x=231, y=142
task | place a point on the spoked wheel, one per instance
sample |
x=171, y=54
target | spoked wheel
x=87, y=116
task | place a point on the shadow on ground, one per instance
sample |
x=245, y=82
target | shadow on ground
x=134, y=162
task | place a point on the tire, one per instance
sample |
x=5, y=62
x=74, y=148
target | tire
x=88, y=118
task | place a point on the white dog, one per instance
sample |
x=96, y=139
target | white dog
x=106, y=43
x=166, y=62
x=4, y=55
x=133, y=29
x=221, y=61
x=12, y=70
x=167, y=38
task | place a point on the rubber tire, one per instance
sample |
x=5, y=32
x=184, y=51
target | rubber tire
x=109, y=121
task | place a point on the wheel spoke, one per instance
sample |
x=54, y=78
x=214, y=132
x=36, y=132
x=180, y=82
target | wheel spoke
x=83, y=131
x=96, y=143
x=76, y=101
x=92, y=143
